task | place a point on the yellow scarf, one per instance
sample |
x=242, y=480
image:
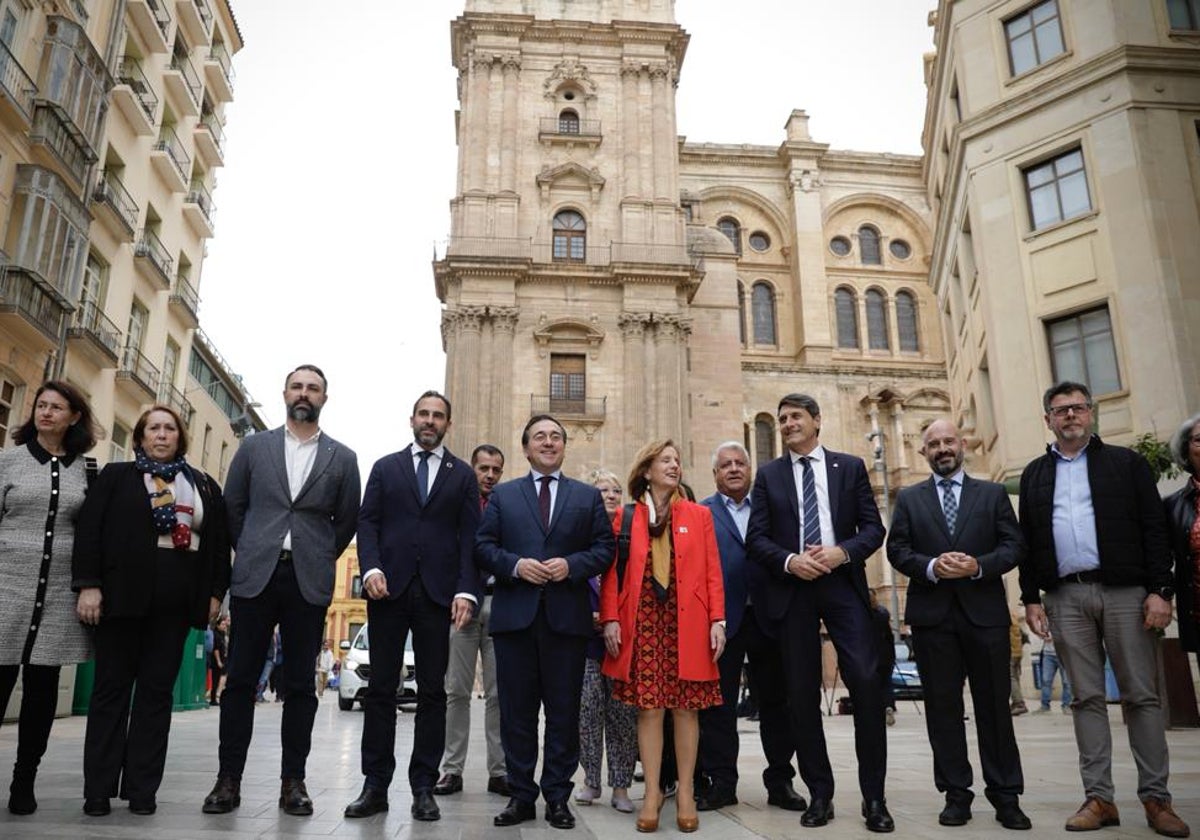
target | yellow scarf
x=660, y=543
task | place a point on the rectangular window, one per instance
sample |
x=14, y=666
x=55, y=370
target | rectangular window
x=1034, y=36
x=568, y=383
x=8, y=393
x=1057, y=189
x=1184, y=14
x=356, y=586
x=1082, y=350
x=119, y=443
x=223, y=466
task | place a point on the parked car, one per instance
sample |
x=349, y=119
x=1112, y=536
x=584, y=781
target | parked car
x=356, y=673
x=906, y=681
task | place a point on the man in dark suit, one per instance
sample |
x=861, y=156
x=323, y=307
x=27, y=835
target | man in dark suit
x=543, y=536
x=954, y=538
x=416, y=540
x=292, y=496
x=813, y=524
x=749, y=639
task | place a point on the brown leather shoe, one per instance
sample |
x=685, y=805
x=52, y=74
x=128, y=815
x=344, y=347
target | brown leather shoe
x=1093, y=814
x=1162, y=818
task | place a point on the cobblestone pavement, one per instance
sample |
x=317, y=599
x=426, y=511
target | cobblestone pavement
x=1047, y=749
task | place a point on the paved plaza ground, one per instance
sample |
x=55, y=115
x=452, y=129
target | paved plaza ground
x=1047, y=749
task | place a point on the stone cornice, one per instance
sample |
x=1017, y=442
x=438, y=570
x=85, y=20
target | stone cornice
x=469, y=28
x=903, y=369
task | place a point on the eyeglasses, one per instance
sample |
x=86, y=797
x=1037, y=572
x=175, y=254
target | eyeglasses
x=1073, y=408
x=1194, y=440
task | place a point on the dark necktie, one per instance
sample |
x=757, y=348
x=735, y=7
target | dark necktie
x=812, y=517
x=544, y=500
x=423, y=477
x=949, y=504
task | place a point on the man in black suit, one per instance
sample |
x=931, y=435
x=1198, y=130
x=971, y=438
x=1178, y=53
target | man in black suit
x=750, y=641
x=416, y=538
x=813, y=524
x=542, y=536
x=954, y=538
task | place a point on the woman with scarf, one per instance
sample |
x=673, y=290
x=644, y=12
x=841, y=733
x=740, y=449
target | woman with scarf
x=663, y=610
x=151, y=560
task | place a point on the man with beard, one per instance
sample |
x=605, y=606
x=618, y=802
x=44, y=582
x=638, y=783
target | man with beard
x=954, y=537
x=292, y=497
x=416, y=538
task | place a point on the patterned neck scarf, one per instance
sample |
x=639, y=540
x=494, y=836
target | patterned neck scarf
x=171, y=503
x=660, y=544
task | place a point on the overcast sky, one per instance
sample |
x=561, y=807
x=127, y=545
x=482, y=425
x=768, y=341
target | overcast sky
x=340, y=162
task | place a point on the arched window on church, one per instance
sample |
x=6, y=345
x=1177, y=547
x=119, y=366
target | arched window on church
x=730, y=227
x=868, y=245
x=568, y=122
x=877, y=320
x=741, y=292
x=906, y=322
x=570, y=237
x=762, y=307
x=846, y=305
x=764, y=439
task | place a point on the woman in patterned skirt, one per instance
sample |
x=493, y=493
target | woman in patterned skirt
x=42, y=484
x=664, y=624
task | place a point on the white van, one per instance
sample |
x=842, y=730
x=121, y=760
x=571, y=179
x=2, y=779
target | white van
x=356, y=673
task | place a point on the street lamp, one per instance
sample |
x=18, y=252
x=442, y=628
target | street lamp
x=889, y=577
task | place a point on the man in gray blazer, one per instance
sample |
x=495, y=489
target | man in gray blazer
x=292, y=494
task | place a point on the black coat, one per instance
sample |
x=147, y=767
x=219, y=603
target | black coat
x=116, y=545
x=1131, y=532
x=1180, y=509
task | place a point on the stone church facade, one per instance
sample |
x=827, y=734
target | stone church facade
x=640, y=286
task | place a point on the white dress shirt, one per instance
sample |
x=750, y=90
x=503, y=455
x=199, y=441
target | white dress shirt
x=298, y=456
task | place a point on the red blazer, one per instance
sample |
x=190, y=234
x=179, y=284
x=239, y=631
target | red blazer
x=700, y=592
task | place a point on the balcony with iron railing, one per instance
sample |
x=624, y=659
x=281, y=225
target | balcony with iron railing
x=98, y=336
x=209, y=140
x=58, y=143
x=573, y=251
x=198, y=208
x=152, y=256
x=569, y=130
x=138, y=370
x=185, y=298
x=16, y=89
x=195, y=19
x=134, y=97
x=170, y=160
x=586, y=409
x=171, y=396
x=31, y=308
x=183, y=83
x=218, y=70
x=122, y=210
x=152, y=21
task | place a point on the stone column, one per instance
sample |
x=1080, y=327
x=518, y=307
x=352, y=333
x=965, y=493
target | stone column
x=646, y=160
x=508, y=132
x=475, y=114
x=898, y=436
x=498, y=427
x=649, y=386
x=667, y=367
x=631, y=166
x=495, y=106
x=664, y=152
x=469, y=394
x=683, y=437
x=633, y=390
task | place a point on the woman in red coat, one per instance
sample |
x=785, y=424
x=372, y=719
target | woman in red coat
x=664, y=626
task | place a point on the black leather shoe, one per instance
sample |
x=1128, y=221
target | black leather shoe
x=498, y=784
x=373, y=800
x=716, y=797
x=21, y=800
x=449, y=783
x=515, y=812
x=293, y=798
x=142, y=807
x=1012, y=817
x=819, y=812
x=425, y=807
x=224, y=797
x=97, y=806
x=955, y=813
x=876, y=814
x=559, y=815
x=785, y=797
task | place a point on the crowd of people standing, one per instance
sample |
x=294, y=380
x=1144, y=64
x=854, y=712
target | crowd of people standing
x=625, y=628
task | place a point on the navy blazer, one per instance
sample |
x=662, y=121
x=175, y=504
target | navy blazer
x=741, y=577
x=985, y=527
x=580, y=532
x=403, y=539
x=774, y=531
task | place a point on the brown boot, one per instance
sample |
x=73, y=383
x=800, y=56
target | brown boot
x=1162, y=818
x=1093, y=814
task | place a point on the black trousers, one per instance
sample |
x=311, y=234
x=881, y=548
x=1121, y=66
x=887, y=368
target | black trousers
x=252, y=623
x=719, y=744
x=536, y=669
x=39, y=697
x=834, y=600
x=946, y=654
x=125, y=747
x=390, y=622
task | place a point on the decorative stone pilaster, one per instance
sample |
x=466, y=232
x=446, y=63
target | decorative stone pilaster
x=661, y=94
x=631, y=165
x=511, y=65
x=497, y=427
x=467, y=392
x=633, y=389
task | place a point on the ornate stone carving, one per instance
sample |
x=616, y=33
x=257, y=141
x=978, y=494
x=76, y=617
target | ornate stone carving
x=504, y=318
x=633, y=324
x=470, y=318
x=569, y=70
x=569, y=334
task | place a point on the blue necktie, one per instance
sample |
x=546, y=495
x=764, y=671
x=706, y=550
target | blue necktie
x=423, y=477
x=812, y=518
x=949, y=504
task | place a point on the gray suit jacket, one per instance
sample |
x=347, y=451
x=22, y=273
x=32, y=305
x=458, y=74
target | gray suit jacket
x=322, y=518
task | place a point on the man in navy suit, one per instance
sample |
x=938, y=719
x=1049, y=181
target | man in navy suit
x=416, y=538
x=954, y=538
x=542, y=537
x=813, y=524
x=748, y=638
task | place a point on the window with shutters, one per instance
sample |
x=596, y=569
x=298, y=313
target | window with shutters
x=568, y=383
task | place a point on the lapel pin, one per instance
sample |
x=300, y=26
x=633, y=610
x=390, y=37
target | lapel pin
x=683, y=529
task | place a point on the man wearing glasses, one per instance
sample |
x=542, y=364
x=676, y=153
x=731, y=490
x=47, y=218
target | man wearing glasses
x=1098, y=574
